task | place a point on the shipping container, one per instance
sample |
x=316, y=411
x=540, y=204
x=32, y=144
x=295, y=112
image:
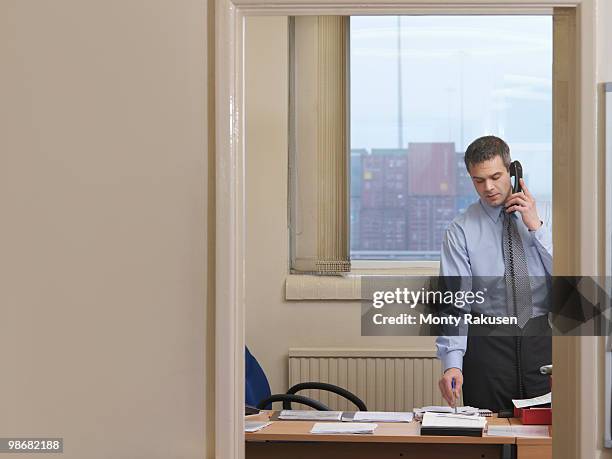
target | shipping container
x=427, y=219
x=418, y=220
x=373, y=170
x=407, y=197
x=396, y=180
x=370, y=224
x=371, y=196
x=384, y=183
x=394, y=230
x=382, y=229
x=372, y=181
x=432, y=169
x=387, y=152
x=444, y=213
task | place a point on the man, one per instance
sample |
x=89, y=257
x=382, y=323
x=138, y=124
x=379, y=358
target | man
x=498, y=236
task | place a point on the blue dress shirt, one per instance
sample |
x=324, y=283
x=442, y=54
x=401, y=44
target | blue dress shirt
x=472, y=247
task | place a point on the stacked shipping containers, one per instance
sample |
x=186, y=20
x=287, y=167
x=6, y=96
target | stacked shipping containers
x=432, y=176
x=383, y=200
x=431, y=169
x=406, y=198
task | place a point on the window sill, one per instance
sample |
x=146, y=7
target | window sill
x=306, y=287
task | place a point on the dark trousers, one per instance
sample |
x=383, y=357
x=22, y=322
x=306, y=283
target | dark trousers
x=497, y=369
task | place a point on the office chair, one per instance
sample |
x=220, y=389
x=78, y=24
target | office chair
x=258, y=391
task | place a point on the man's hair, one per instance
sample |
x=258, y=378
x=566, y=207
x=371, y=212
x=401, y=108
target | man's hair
x=486, y=148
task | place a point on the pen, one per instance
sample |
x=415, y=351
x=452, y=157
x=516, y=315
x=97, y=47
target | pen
x=453, y=386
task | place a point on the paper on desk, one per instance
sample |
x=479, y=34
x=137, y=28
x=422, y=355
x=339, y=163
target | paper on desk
x=531, y=431
x=453, y=420
x=254, y=426
x=517, y=431
x=541, y=400
x=435, y=409
x=500, y=431
x=470, y=410
x=383, y=416
x=310, y=415
x=343, y=428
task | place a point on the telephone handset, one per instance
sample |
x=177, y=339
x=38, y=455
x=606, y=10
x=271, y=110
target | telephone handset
x=516, y=172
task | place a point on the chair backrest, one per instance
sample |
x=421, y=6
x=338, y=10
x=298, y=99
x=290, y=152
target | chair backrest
x=256, y=384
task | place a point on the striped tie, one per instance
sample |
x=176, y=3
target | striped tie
x=516, y=274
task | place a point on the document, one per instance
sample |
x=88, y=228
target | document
x=468, y=410
x=310, y=415
x=343, y=428
x=254, y=426
x=382, y=416
x=518, y=431
x=527, y=402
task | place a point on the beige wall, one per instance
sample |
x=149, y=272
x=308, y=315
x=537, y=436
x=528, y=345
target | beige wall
x=103, y=265
x=604, y=74
x=272, y=324
x=107, y=204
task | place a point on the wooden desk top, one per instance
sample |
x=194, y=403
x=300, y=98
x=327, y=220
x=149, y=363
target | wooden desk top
x=400, y=432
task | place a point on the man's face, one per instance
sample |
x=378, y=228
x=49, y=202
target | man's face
x=492, y=181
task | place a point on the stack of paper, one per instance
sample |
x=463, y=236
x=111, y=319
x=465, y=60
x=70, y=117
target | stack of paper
x=254, y=426
x=467, y=410
x=518, y=431
x=527, y=402
x=310, y=415
x=343, y=428
x=452, y=424
x=382, y=416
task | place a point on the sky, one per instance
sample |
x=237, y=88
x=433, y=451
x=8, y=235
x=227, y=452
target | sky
x=461, y=77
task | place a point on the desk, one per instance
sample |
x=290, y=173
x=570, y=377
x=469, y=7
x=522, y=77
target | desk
x=533, y=448
x=292, y=439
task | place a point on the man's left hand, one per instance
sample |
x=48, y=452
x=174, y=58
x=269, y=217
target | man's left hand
x=524, y=203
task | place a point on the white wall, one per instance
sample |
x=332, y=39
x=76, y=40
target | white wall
x=103, y=266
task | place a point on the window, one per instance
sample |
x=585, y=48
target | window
x=421, y=89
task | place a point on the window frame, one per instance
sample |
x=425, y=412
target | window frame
x=418, y=267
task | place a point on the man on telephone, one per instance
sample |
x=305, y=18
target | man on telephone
x=500, y=236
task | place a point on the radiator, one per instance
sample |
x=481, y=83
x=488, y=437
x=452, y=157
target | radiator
x=386, y=380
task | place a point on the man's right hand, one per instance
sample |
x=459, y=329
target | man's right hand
x=446, y=384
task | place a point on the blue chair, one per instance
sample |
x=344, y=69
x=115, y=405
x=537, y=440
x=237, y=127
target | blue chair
x=256, y=384
x=258, y=394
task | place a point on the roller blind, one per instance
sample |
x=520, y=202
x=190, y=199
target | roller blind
x=319, y=143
